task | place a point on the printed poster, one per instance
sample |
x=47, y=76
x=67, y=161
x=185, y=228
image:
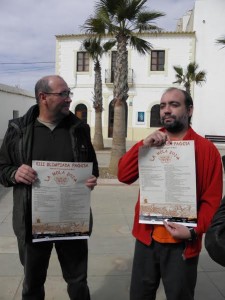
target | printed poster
x=167, y=181
x=60, y=200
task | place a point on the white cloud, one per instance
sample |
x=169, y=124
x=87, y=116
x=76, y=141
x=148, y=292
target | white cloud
x=28, y=29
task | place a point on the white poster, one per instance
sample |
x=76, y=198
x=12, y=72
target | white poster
x=60, y=200
x=168, y=184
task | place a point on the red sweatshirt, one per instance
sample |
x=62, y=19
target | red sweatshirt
x=209, y=182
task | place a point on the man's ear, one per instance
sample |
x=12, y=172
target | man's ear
x=190, y=110
x=42, y=97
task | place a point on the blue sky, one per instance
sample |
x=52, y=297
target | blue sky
x=28, y=29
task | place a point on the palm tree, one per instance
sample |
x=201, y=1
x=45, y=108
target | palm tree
x=189, y=76
x=221, y=41
x=95, y=48
x=125, y=20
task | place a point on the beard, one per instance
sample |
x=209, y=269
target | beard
x=174, y=126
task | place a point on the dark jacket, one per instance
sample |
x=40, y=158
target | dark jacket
x=215, y=236
x=16, y=150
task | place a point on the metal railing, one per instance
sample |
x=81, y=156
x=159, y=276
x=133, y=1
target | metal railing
x=110, y=75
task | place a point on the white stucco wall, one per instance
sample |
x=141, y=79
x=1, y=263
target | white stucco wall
x=11, y=100
x=209, y=24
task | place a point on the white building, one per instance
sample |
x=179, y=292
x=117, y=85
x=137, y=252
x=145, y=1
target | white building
x=14, y=103
x=209, y=25
x=149, y=75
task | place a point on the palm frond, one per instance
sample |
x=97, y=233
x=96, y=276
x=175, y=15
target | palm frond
x=108, y=6
x=192, y=67
x=122, y=11
x=120, y=15
x=109, y=44
x=94, y=25
x=200, y=77
x=134, y=8
x=149, y=16
x=180, y=77
x=145, y=21
x=189, y=75
x=93, y=47
x=142, y=46
x=148, y=27
x=179, y=81
x=179, y=70
x=128, y=9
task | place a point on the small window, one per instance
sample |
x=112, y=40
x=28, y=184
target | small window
x=155, y=117
x=15, y=114
x=82, y=62
x=158, y=60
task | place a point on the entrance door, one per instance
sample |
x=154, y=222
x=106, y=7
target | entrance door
x=81, y=112
x=111, y=119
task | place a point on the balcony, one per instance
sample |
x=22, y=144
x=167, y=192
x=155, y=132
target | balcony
x=110, y=74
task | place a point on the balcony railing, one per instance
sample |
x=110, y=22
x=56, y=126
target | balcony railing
x=110, y=75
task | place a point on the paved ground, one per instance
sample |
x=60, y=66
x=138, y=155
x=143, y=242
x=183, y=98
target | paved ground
x=110, y=250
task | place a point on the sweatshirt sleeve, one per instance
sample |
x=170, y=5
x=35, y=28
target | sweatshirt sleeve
x=128, y=165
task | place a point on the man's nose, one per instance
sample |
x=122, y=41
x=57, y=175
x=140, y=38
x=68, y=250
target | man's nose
x=167, y=109
x=68, y=99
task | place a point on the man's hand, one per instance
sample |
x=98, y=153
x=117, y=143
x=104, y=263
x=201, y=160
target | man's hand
x=25, y=174
x=178, y=231
x=91, y=182
x=157, y=138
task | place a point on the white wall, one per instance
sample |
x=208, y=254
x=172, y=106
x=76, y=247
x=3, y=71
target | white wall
x=8, y=103
x=209, y=24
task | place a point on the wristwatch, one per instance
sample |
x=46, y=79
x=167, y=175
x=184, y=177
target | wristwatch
x=12, y=177
x=193, y=234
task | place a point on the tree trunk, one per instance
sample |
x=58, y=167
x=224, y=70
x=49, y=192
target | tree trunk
x=188, y=87
x=120, y=94
x=119, y=140
x=98, y=137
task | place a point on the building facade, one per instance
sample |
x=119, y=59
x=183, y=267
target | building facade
x=14, y=103
x=149, y=75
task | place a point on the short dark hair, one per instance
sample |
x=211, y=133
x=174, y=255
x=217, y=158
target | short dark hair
x=187, y=98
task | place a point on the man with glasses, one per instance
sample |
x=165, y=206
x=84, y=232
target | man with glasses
x=50, y=132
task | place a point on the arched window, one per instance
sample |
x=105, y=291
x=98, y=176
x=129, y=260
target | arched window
x=155, y=118
x=81, y=112
x=111, y=119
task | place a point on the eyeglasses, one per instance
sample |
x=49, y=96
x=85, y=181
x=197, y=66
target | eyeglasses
x=64, y=95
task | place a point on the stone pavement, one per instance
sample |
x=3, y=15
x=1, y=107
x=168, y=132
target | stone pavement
x=110, y=250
